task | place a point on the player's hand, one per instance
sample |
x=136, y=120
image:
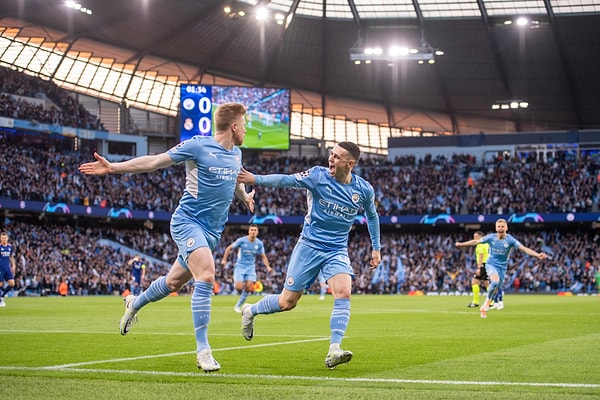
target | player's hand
x=543, y=256
x=375, y=259
x=249, y=200
x=99, y=167
x=458, y=244
x=245, y=177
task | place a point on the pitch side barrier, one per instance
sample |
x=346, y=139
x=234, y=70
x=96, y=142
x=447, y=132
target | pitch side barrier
x=40, y=207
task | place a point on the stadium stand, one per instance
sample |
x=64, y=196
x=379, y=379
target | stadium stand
x=51, y=249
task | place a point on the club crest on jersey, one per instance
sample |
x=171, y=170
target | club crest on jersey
x=190, y=242
x=355, y=197
x=290, y=280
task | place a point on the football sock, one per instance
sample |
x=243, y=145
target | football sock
x=201, y=301
x=323, y=290
x=499, y=295
x=340, y=315
x=475, y=293
x=6, y=290
x=243, y=297
x=492, y=290
x=268, y=305
x=158, y=290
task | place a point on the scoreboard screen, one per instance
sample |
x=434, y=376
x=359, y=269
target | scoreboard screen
x=267, y=120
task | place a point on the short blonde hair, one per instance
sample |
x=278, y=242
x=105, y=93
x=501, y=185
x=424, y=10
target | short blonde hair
x=227, y=114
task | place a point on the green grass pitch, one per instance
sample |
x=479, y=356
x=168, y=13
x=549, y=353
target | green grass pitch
x=267, y=137
x=538, y=347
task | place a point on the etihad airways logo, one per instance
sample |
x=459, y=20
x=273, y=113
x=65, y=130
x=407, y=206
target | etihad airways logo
x=223, y=173
x=337, y=210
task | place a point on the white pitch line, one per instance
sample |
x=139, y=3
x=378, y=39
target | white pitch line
x=63, y=366
x=311, y=378
x=145, y=333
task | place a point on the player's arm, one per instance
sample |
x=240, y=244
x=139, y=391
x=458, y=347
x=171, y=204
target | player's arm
x=298, y=180
x=226, y=254
x=13, y=264
x=265, y=261
x=472, y=242
x=373, y=227
x=532, y=253
x=136, y=165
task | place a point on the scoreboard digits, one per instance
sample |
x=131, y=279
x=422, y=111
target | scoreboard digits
x=196, y=111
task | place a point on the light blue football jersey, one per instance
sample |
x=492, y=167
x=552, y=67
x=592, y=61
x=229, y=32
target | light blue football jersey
x=247, y=251
x=211, y=174
x=500, y=249
x=332, y=206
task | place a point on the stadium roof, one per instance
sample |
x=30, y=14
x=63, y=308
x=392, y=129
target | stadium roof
x=551, y=61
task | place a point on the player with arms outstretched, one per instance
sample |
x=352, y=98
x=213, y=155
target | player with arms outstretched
x=212, y=166
x=501, y=244
x=334, y=195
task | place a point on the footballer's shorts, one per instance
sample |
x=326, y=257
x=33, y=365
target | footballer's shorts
x=189, y=235
x=306, y=262
x=244, y=273
x=501, y=272
x=6, y=273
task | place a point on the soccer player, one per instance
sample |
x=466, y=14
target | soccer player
x=7, y=267
x=244, y=270
x=212, y=166
x=138, y=271
x=480, y=277
x=335, y=195
x=501, y=244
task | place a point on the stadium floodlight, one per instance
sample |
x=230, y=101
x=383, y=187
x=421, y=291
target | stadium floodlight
x=394, y=53
x=509, y=104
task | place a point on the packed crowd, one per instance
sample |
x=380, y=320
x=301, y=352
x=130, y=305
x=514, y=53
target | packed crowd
x=403, y=187
x=49, y=253
x=16, y=90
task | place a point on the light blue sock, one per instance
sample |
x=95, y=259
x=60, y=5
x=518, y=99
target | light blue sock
x=323, y=290
x=268, y=305
x=339, y=320
x=493, y=290
x=243, y=297
x=201, y=299
x=158, y=290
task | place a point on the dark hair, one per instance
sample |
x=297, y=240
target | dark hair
x=480, y=233
x=226, y=114
x=351, y=148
